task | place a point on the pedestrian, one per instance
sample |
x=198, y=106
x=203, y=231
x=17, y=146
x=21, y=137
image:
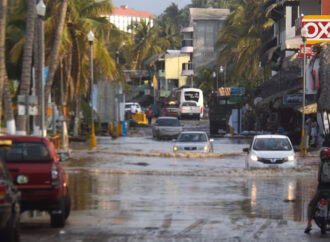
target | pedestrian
x=314, y=133
x=323, y=186
x=280, y=129
x=149, y=115
x=164, y=110
x=132, y=111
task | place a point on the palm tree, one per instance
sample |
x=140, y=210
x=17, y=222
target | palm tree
x=27, y=61
x=3, y=12
x=54, y=59
x=84, y=16
x=145, y=43
x=240, y=39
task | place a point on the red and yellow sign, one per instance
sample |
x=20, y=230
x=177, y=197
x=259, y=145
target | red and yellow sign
x=318, y=27
x=224, y=91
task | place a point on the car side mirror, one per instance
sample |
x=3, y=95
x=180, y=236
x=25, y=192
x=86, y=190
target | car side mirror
x=63, y=156
x=247, y=150
x=211, y=140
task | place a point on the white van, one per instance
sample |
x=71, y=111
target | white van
x=191, y=94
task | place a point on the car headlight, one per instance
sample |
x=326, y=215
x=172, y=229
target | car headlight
x=290, y=158
x=22, y=179
x=206, y=148
x=175, y=148
x=254, y=157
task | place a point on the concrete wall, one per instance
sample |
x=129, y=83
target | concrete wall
x=106, y=105
x=310, y=7
x=206, y=33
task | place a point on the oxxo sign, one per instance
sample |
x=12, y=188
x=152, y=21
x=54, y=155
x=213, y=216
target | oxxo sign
x=318, y=27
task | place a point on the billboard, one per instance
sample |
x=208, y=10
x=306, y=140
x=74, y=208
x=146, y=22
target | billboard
x=318, y=27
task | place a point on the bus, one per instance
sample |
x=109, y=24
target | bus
x=191, y=94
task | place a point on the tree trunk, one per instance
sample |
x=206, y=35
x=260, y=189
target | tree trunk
x=3, y=12
x=54, y=59
x=10, y=121
x=77, y=116
x=27, y=62
x=76, y=69
x=323, y=102
x=37, y=124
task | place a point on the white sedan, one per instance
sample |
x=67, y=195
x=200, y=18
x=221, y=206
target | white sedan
x=193, y=141
x=274, y=151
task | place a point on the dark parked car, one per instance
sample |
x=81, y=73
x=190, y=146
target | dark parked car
x=166, y=127
x=36, y=171
x=9, y=204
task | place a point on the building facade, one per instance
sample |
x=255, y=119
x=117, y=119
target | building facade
x=200, y=37
x=282, y=95
x=123, y=17
x=167, y=69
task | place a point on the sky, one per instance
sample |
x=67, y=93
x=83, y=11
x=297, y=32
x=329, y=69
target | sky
x=156, y=7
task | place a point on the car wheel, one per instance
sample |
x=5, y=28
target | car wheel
x=13, y=230
x=57, y=217
x=67, y=204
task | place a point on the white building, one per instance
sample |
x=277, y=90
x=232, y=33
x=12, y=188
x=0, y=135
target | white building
x=123, y=17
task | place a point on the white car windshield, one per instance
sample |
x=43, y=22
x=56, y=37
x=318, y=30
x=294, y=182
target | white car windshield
x=191, y=137
x=272, y=144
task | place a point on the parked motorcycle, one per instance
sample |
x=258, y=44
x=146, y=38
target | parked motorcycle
x=321, y=217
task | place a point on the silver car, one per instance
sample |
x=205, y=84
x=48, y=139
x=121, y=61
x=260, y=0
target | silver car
x=166, y=127
x=193, y=141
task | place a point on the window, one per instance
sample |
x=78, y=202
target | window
x=294, y=15
x=168, y=122
x=272, y=144
x=27, y=151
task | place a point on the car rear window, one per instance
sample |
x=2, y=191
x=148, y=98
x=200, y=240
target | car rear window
x=168, y=122
x=272, y=144
x=27, y=152
x=189, y=104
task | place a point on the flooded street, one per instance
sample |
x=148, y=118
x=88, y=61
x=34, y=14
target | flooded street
x=135, y=189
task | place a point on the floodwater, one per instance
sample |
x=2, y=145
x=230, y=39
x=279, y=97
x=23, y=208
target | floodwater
x=254, y=197
x=135, y=189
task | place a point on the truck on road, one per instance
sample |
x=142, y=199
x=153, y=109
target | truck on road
x=220, y=109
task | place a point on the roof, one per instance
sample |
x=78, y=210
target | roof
x=275, y=136
x=193, y=132
x=209, y=13
x=167, y=117
x=123, y=10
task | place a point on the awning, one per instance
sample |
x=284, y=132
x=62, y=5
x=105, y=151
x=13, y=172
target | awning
x=293, y=44
x=309, y=109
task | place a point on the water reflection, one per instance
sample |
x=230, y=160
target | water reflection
x=280, y=198
x=147, y=195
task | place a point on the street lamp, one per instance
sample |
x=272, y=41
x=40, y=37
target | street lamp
x=304, y=33
x=41, y=11
x=223, y=70
x=216, y=75
x=92, y=141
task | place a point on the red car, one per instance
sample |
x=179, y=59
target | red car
x=36, y=171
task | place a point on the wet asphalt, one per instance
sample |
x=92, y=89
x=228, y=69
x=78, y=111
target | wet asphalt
x=134, y=189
